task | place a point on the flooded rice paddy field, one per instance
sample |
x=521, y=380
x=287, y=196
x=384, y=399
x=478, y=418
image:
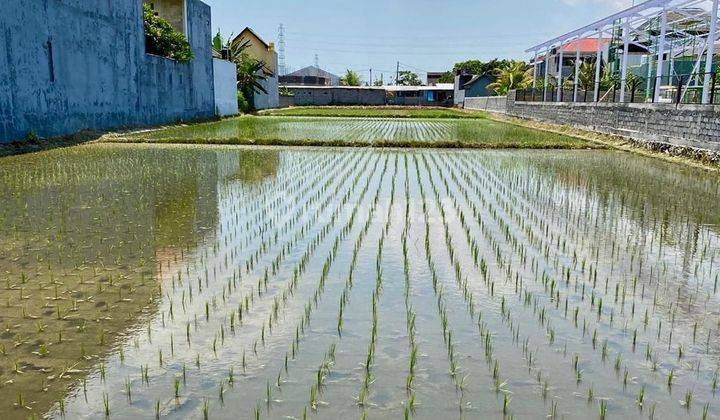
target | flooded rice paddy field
x=175, y=281
x=333, y=131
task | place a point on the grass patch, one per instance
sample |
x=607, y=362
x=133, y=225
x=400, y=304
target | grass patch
x=374, y=112
x=317, y=131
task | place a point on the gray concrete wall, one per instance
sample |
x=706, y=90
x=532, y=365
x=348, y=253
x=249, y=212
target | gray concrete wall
x=69, y=65
x=487, y=103
x=271, y=99
x=306, y=96
x=225, y=86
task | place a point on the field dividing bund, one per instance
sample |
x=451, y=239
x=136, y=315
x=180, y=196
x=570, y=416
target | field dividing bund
x=177, y=281
x=474, y=132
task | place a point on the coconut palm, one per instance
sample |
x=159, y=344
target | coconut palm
x=250, y=71
x=514, y=75
x=350, y=78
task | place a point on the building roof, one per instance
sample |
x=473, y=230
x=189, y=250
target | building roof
x=477, y=77
x=248, y=30
x=586, y=45
x=313, y=71
x=335, y=87
x=438, y=87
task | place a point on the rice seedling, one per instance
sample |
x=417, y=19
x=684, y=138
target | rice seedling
x=496, y=256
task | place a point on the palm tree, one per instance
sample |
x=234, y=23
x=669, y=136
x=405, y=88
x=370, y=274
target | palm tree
x=351, y=78
x=514, y=75
x=250, y=71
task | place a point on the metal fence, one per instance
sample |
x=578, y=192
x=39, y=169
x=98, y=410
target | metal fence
x=674, y=89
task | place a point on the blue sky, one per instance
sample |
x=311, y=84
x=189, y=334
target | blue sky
x=424, y=35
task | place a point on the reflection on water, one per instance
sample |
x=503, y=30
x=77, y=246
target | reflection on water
x=189, y=281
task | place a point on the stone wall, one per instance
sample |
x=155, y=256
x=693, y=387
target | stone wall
x=487, y=103
x=225, y=86
x=696, y=126
x=69, y=65
x=655, y=125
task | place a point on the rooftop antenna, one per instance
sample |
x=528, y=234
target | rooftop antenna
x=281, y=50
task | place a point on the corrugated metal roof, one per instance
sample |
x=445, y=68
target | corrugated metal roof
x=438, y=87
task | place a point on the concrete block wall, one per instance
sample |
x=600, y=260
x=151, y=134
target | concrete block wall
x=696, y=126
x=656, y=125
x=225, y=76
x=69, y=65
x=487, y=103
x=308, y=96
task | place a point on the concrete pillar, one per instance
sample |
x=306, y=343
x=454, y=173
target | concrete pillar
x=560, y=74
x=623, y=70
x=598, y=62
x=547, y=70
x=707, y=84
x=577, y=70
x=660, y=59
x=534, y=84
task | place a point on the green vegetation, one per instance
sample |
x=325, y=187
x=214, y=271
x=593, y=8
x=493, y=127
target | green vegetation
x=206, y=282
x=162, y=39
x=373, y=112
x=351, y=78
x=408, y=78
x=315, y=131
x=513, y=75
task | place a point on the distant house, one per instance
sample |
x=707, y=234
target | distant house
x=478, y=86
x=587, y=47
x=310, y=76
x=439, y=95
x=262, y=51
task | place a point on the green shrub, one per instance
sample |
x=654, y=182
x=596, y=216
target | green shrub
x=162, y=39
x=243, y=104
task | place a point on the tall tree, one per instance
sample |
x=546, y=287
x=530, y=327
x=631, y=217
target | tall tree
x=408, y=78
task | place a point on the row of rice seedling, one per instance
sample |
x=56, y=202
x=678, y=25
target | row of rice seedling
x=328, y=283
x=207, y=305
x=394, y=132
x=595, y=339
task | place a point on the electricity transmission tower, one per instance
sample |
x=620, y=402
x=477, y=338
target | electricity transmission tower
x=281, y=50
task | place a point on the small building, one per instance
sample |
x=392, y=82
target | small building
x=265, y=52
x=433, y=77
x=478, y=86
x=310, y=76
x=439, y=95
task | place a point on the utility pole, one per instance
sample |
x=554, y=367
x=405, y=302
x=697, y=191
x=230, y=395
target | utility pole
x=371, y=77
x=397, y=74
